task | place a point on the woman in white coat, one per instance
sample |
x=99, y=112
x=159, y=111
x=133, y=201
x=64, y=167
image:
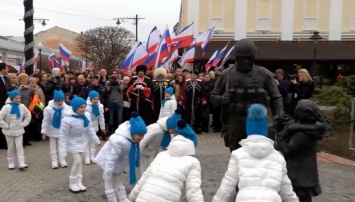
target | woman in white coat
x=172, y=171
x=14, y=117
x=52, y=117
x=121, y=154
x=169, y=104
x=158, y=136
x=256, y=168
x=96, y=109
x=75, y=132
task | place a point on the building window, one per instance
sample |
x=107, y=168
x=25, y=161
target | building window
x=263, y=24
x=353, y=23
x=310, y=24
x=217, y=22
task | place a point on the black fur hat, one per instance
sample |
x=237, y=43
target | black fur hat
x=141, y=68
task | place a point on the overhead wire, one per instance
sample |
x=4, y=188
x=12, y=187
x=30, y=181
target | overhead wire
x=61, y=12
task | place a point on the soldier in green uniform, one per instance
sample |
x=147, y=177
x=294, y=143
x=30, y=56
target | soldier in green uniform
x=242, y=85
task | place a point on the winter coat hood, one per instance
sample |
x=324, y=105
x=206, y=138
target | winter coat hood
x=181, y=146
x=258, y=146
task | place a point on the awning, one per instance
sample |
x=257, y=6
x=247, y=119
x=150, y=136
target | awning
x=272, y=50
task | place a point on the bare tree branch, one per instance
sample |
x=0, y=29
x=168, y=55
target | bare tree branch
x=107, y=47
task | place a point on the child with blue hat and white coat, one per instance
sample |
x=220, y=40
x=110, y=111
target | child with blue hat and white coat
x=52, y=118
x=75, y=131
x=172, y=171
x=256, y=168
x=169, y=104
x=96, y=109
x=121, y=154
x=14, y=117
x=158, y=136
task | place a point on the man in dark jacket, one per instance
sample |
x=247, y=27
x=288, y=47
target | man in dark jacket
x=4, y=85
x=96, y=86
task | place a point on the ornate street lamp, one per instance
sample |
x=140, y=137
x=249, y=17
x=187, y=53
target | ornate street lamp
x=315, y=38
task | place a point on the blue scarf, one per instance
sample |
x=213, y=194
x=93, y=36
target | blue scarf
x=165, y=141
x=15, y=110
x=57, y=117
x=163, y=102
x=134, y=161
x=86, y=120
x=95, y=110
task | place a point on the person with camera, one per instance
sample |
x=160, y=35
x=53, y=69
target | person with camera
x=301, y=87
x=115, y=89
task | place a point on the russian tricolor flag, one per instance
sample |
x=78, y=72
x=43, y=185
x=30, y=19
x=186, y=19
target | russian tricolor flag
x=64, y=53
x=189, y=56
x=153, y=40
x=185, y=37
x=219, y=56
x=52, y=57
x=210, y=61
x=140, y=55
x=128, y=61
x=229, y=53
x=203, y=39
x=162, y=49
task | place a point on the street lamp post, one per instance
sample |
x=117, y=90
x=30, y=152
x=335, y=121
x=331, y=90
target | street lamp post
x=40, y=60
x=316, y=37
x=136, y=19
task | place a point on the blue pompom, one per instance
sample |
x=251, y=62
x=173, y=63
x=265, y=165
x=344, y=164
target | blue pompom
x=134, y=114
x=181, y=124
x=257, y=112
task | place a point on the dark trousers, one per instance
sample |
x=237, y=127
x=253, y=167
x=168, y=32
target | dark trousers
x=3, y=144
x=205, y=119
x=216, y=118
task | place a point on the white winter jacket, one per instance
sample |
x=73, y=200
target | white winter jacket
x=113, y=156
x=169, y=108
x=48, y=113
x=150, y=144
x=260, y=173
x=74, y=137
x=11, y=126
x=170, y=173
x=96, y=120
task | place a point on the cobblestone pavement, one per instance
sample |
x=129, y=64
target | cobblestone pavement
x=42, y=184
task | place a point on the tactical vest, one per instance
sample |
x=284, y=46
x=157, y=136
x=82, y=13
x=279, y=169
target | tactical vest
x=246, y=90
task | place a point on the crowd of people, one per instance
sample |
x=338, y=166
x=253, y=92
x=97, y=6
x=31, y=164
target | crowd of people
x=142, y=112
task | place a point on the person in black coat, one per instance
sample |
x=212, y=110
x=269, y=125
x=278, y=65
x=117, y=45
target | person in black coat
x=4, y=87
x=299, y=147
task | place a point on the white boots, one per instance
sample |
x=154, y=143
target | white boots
x=90, y=157
x=117, y=195
x=11, y=163
x=54, y=160
x=121, y=194
x=111, y=195
x=62, y=162
x=75, y=184
x=21, y=163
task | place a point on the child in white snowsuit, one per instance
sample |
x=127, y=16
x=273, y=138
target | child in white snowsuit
x=52, y=117
x=96, y=109
x=172, y=171
x=14, y=117
x=256, y=168
x=121, y=154
x=169, y=104
x=75, y=131
x=158, y=136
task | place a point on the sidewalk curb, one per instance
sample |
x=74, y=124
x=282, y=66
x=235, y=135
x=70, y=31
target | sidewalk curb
x=322, y=156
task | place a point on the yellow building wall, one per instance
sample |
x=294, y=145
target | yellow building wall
x=229, y=7
x=348, y=14
x=276, y=16
x=251, y=19
x=184, y=14
x=204, y=23
x=323, y=17
x=298, y=17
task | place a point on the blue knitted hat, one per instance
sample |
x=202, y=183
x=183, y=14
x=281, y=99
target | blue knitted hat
x=93, y=94
x=257, y=121
x=186, y=131
x=172, y=121
x=12, y=94
x=137, y=124
x=76, y=102
x=170, y=90
x=58, y=95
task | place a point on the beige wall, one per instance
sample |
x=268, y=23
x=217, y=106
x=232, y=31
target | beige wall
x=56, y=33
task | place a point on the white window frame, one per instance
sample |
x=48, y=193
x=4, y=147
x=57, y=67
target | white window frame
x=259, y=20
x=218, y=22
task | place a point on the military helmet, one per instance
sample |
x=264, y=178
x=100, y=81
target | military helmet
x=245, y=48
